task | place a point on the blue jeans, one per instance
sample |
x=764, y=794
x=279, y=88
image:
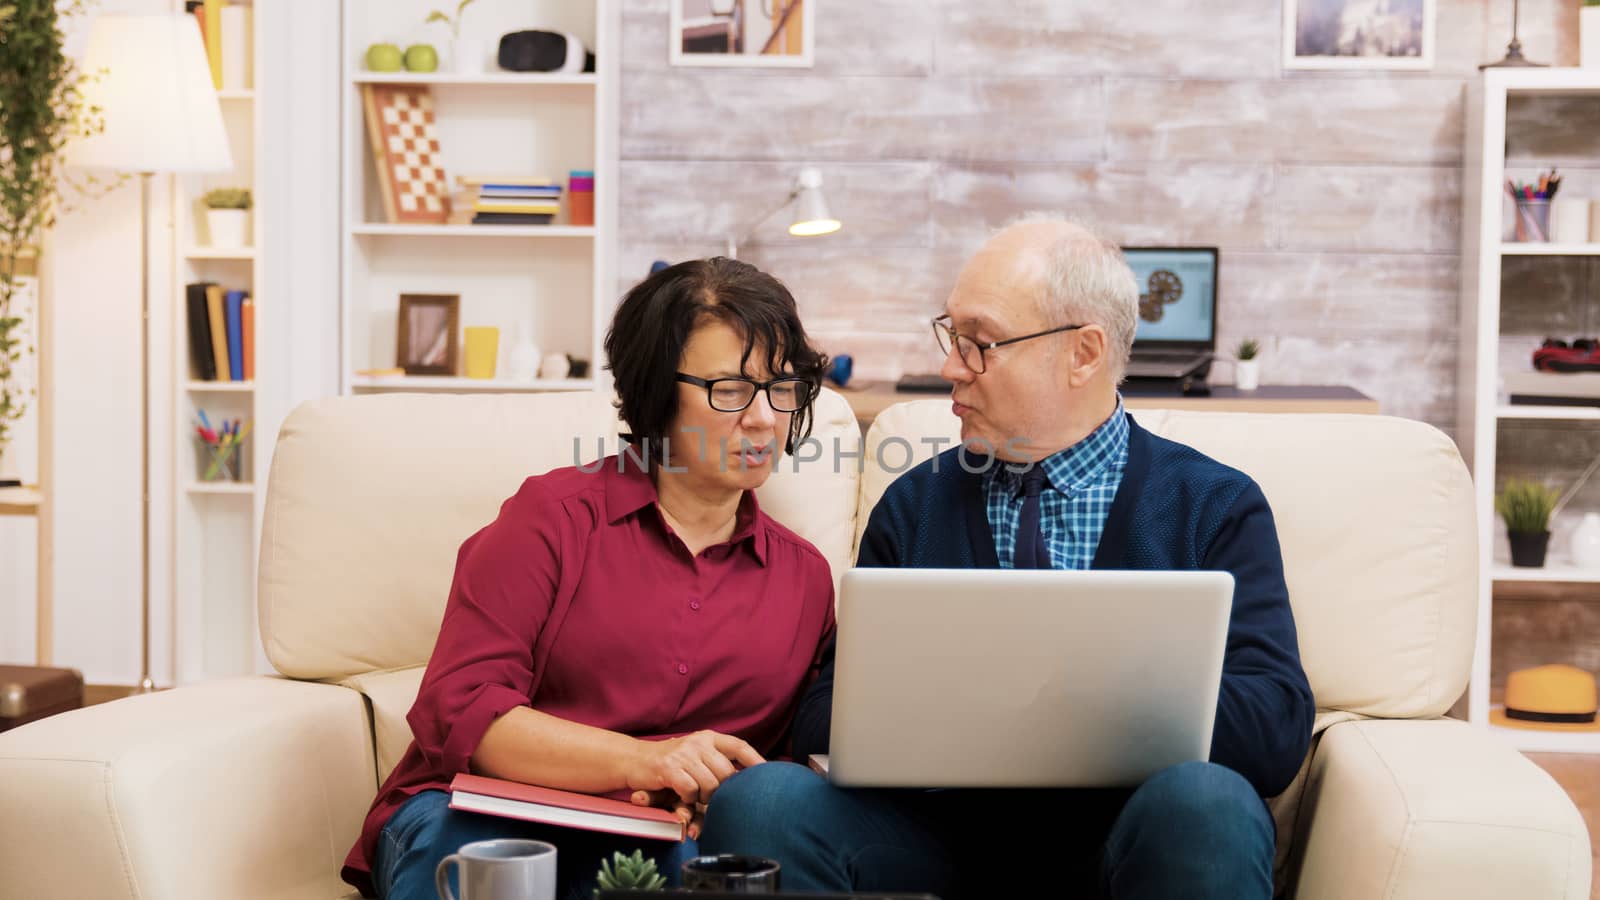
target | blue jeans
x=425, y=830
x=1196, y=830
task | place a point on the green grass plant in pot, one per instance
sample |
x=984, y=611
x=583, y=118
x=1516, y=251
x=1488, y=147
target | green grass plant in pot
x=1526, y=506
x=629, y=873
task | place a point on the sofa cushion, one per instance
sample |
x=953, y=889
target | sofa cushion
x=1375, y=519
x=389, y=694
x=370, y=497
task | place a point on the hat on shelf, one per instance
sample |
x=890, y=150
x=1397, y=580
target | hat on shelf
x=1549, y=698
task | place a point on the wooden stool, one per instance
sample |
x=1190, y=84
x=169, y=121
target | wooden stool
x=33, y=692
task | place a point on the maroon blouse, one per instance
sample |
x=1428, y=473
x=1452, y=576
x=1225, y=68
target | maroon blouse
x=580, y=601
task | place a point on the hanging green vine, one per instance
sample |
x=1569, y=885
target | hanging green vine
x=41, y=109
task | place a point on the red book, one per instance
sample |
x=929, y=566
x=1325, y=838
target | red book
x=496, y=797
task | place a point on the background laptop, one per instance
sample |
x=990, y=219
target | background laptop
x=1005, y=678
x=1177, y=331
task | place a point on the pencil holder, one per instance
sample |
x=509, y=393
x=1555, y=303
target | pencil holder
x=1533, y=221
x=218, y=462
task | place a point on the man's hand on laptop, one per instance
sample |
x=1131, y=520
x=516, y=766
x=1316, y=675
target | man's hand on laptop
x=682, y=773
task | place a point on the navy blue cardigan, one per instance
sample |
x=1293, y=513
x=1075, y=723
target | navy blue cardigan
x=1175, y=509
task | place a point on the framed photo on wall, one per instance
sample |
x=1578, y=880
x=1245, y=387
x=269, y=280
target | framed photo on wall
x=427, y=335
x=742, y=33
x=1358, y=34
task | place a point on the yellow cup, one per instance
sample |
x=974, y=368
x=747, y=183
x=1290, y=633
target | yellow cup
x=483, y=348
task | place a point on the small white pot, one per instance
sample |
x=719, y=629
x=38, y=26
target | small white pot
x=229, y=227
x=468, y=56
x=1589, y=37
x=1586, y=542
x=1247, y=374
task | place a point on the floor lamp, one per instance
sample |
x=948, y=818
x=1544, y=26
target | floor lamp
x=150, y=80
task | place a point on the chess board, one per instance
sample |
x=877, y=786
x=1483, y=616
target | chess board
x=405, y=145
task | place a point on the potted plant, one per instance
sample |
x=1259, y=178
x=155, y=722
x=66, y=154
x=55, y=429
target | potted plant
x=629, y=873
x=467, y=55
x=1526, y=506
x=42, y=110
x=228, y=216
x=1246, y=368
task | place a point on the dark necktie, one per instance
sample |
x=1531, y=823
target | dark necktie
x=1031, y=552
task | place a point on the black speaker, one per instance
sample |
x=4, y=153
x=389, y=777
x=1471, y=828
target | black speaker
x=543, y=51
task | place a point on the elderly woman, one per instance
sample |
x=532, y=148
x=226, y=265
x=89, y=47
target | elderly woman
x=637, y=627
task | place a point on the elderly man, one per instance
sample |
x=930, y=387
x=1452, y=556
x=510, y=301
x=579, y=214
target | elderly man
x=1036, y=336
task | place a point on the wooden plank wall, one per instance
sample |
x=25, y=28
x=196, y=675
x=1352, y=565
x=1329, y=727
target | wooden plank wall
x=1335, y=197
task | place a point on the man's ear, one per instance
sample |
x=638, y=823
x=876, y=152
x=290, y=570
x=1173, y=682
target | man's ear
x=1088, y=355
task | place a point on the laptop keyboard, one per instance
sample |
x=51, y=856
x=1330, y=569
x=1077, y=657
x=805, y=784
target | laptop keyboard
x=1167, y=356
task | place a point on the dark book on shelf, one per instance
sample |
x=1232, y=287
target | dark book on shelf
x=203, y=362
x=484, y=218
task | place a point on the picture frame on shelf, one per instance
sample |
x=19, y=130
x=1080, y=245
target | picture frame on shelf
x=742, y=33
x=1358, y=34
x=427, y=334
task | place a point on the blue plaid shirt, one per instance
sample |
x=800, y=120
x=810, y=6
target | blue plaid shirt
x=1083, y=479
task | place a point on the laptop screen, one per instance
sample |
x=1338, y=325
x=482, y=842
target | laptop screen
x=1177, y=296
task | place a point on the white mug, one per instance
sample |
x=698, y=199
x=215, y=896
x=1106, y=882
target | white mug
x=1569, y=220
x=555, y=366
x=500, y=870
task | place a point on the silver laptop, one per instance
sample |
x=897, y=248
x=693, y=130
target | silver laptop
x=1177, y=330
x=1004, y=678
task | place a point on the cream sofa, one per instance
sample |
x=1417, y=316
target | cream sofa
x=256, y=787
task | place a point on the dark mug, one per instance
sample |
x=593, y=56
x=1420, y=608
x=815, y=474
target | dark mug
x=731, y=873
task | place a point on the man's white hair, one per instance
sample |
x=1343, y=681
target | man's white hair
x=1086, y=279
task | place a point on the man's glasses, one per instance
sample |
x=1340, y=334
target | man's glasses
x=971, y=352
x=736, y=394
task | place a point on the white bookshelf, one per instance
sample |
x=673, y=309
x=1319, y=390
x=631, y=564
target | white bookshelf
x=216, y=525
x=1482, y=404
x=553, y=284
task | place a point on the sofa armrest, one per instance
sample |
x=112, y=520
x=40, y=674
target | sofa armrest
x=1435, y=808
x=249, y=787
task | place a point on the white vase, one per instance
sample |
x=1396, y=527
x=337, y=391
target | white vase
x=230, y=228
x=1589, y=37
x=468, y=56
x=523, y=363
x=1586, y=542
x=1247, y=374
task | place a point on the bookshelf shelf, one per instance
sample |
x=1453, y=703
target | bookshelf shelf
x=1532, y=741
x=1546, y=573
x=452, y=383
x=486, y=78
x=475, y=231
x=1533, y=249
x=219, y=387
x=1569, y=413
x=241, y=253
x=236, y=488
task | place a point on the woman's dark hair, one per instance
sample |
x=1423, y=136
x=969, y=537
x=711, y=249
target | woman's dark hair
x=645, y=342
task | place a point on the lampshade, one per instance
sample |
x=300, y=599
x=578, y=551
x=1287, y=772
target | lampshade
x=149, y=76
x=811, y=215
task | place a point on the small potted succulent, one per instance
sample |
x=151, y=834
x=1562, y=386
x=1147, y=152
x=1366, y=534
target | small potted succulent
x=1246, y=367
x=468, y=56
x=228, y=216
x=629, y=873
x=1526, y=506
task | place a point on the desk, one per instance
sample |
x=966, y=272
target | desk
x=19, y=501
x=871, y=398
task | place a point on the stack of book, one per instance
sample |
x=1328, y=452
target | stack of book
x=504, y=201
x=222, y=333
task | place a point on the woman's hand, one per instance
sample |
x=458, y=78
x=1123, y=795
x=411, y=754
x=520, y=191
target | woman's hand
x=683, y=772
